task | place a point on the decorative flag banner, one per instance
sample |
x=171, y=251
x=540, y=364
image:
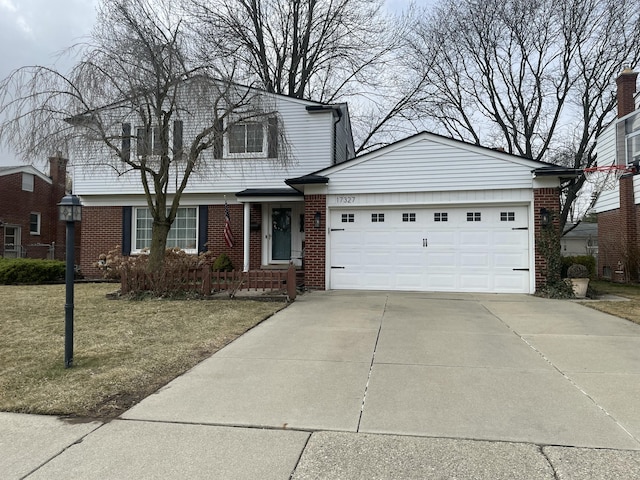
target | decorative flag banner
x=228, y=234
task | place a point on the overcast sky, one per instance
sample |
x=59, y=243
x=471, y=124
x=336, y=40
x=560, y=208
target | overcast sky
x=35, y=32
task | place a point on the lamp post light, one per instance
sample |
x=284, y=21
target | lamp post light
x=70, y=211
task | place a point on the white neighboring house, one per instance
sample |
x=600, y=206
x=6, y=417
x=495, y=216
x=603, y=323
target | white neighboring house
x=581, y=240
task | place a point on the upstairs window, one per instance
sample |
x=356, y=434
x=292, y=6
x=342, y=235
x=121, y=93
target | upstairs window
x=28, y=180
x=148, y=141
x=246, y=138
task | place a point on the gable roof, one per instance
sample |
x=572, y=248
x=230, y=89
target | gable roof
x=432, y=161
x=10, y=170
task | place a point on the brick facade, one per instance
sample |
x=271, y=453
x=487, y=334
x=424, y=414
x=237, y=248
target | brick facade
x=17, y=205
x=215, y=233
x=103, y=233
x=618, y=253
x=315, y=241
x=549, y=199
x=102, y=227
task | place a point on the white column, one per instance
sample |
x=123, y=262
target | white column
x=247, y=236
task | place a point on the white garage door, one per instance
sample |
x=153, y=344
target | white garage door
x=475, y=249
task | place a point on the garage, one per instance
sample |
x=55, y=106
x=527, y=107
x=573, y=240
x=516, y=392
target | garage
x=432, y=214
x=465, y=249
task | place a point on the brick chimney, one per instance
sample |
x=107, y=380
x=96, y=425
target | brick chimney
x=626, y=89
x=626, y=83
x=58, y=175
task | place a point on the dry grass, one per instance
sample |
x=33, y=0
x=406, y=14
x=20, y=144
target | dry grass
x=629, y=310
x=124, y=350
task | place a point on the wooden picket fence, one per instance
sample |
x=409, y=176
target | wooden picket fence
x=208, y=282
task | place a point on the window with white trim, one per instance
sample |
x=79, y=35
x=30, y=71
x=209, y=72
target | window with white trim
x=28, y=180
x=507, y=216
x=348, y=218
x=474, y=217
x=377, y=217
x=440, y=217
x=183, y=233
x=34, y=223
x=246, y=138
x=408, y=217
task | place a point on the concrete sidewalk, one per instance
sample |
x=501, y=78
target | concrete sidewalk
x=376, y=385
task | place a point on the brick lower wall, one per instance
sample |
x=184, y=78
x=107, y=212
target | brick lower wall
x=101, y=233
x=215, y=233
x=315, y=242
x=548, y=198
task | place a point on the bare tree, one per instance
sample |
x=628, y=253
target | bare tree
x=530, y=76
x=322, y=50
x=139, y=100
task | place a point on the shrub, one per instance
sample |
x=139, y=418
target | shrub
x=586, y=260
x=29, y=270
x=222, y=263
x=577, y=271
x=174, y=279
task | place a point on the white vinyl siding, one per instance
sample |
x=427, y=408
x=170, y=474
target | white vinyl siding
x=309, y=142
x=428, y=163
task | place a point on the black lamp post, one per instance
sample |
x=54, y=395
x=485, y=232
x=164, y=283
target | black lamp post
x=70, y=210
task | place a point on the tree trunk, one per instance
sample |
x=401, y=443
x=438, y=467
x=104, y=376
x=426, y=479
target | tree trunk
x=159, y=233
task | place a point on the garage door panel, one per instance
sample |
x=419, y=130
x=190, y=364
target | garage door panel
x=441, y=259
x=472, y=260
x=452, y=255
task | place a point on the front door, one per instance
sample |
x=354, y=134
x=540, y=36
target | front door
x=281, y=234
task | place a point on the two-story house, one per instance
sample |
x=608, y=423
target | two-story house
x=29, y=223
x=426, y=213
x=617, y=208
x=246, y=172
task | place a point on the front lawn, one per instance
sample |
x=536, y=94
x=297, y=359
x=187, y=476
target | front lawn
x=629, y=310
x=124, y=350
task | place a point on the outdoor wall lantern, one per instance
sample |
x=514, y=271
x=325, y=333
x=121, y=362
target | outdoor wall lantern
x=545, y=217
x=316, y=220
x=70, y=211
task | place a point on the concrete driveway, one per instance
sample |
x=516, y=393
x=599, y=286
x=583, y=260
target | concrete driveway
x=446, y=378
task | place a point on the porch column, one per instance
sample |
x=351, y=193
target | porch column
x=246, y=237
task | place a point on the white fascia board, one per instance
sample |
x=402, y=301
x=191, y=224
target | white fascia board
x=26, y=169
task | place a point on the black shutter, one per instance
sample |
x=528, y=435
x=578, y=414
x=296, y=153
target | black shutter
x=142, y=144
x=218, y=137
x=177, y=140
x=272, y=138
x=126, y=142
x=126, y=230
x=203, y=227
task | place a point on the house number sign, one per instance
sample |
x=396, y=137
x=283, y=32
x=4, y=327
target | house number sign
x=345, y=199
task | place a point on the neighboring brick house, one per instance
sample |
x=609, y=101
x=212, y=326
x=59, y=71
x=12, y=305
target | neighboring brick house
x=29, y=223
x=617, y=210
